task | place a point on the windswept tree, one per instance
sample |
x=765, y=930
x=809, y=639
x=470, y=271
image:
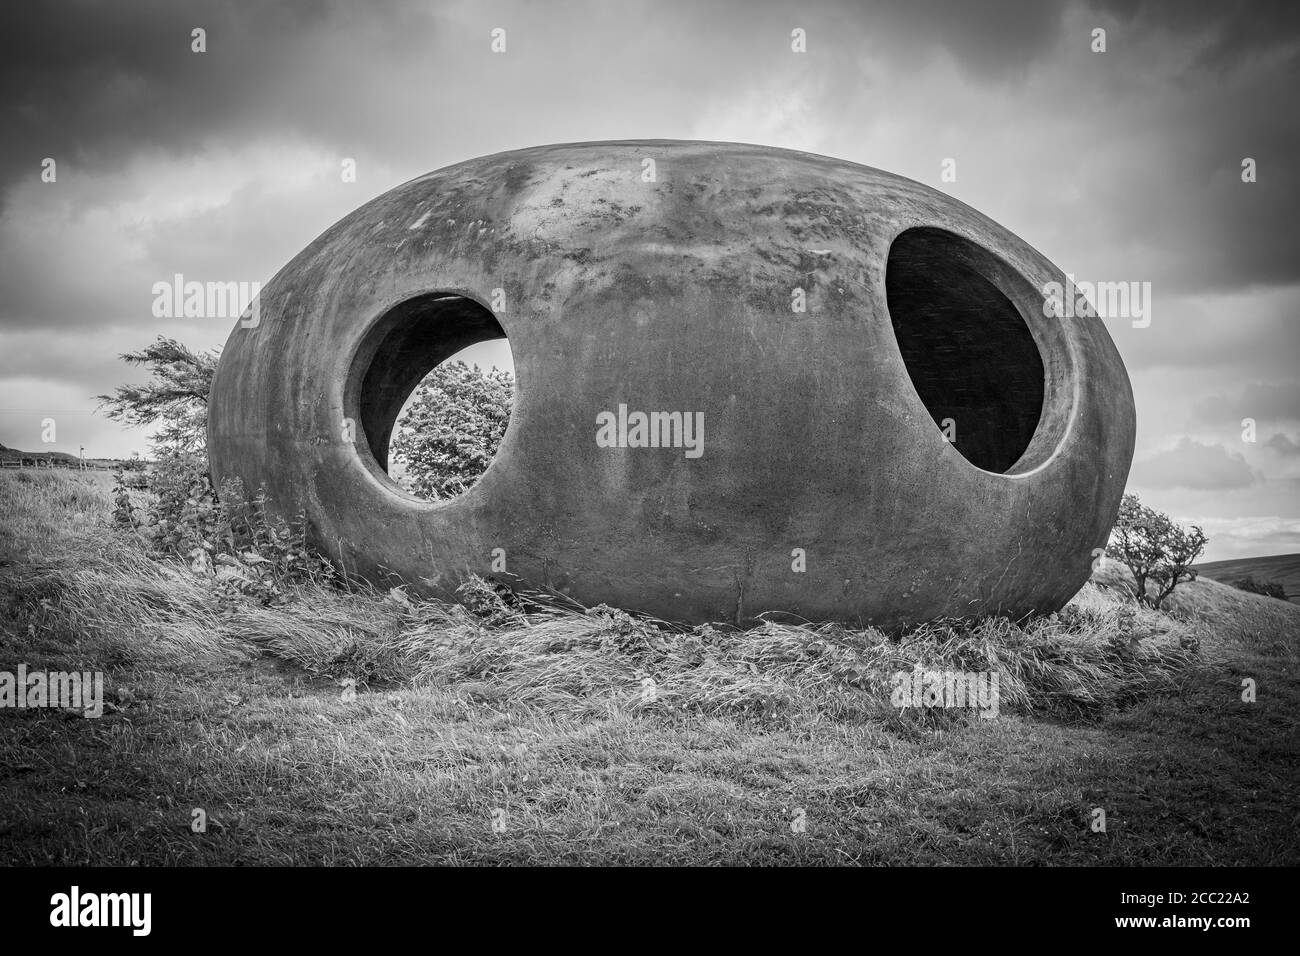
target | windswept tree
x=175, y=398
x=1155, y=549
x=451, y=430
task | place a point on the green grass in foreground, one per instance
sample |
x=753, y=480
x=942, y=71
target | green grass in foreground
x=543, y=724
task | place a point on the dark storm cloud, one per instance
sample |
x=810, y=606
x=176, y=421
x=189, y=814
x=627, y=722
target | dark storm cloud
x=1283, y=445
x=95, y=83
x=1230, y=28
x=995, y=39
x=92, y=84
x=1220, y=102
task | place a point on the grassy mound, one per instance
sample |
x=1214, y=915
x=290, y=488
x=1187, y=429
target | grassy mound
x=364, y=726
x=575, y=662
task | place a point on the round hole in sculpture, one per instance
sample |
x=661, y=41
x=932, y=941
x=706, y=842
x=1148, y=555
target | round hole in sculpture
x=968, y=351
x=432, y=387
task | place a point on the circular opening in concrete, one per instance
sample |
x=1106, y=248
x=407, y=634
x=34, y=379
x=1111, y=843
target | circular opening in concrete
x=970, y=355
x=432, y=388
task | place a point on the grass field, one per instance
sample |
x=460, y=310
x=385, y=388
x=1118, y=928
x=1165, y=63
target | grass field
x=533, y=739
x=1284, y=569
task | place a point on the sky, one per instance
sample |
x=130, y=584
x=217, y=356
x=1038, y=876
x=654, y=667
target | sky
x=1119, y=165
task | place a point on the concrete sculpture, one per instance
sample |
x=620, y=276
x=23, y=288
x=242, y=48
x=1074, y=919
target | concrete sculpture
x=748, y=380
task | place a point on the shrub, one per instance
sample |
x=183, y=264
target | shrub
x=1267, y=588
x=231, y=537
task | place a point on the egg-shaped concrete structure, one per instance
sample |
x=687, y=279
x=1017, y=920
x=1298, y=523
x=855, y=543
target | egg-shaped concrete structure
x=748, y=380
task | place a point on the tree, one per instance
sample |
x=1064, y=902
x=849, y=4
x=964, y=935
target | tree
x=176, y=397
x=450, y=432
x=1154, y=548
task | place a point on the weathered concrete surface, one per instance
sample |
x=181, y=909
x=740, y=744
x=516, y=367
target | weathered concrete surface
x=676, y=295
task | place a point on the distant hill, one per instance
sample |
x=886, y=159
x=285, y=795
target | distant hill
x=14, y=454
x=1281, y=568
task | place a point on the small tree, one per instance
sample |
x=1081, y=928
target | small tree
x=451, y=431
x=1154, y=548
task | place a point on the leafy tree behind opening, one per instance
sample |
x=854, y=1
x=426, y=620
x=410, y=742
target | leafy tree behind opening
x=452, y=429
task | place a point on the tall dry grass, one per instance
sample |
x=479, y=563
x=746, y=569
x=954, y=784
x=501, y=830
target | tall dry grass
x=83, y=577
